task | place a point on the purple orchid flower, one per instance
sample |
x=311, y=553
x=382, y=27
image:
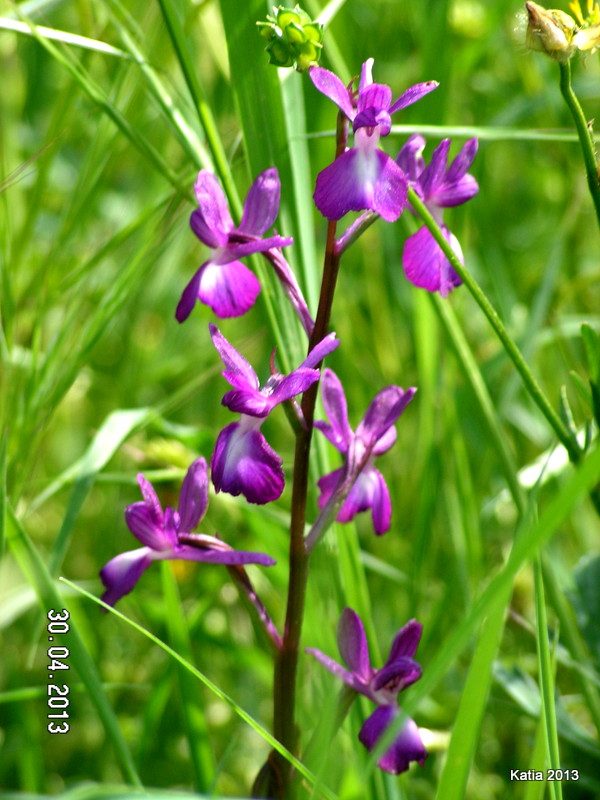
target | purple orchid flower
x=381, y=686
x=166, y=535
x=364, y=177
x=374, y=436
x=439, y=186
x=243, y=462
x=223, y=282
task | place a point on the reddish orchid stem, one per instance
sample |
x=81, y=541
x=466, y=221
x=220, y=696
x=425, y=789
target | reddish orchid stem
x=286, y=664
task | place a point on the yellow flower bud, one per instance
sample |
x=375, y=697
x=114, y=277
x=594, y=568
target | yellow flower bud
x=550, y=31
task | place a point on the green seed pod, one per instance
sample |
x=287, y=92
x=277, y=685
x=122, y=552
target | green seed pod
x=279, y=53
x=288, y=16
x=294, y=32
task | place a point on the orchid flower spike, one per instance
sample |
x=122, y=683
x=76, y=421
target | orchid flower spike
x=439, y=186
x=382, y=686
x=167, y=535
x=223, y=282
x=243, y=462
x=373, y=437
x=364, y=177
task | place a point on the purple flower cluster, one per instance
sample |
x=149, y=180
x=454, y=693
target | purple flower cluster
x=167, y=535
x=382, y=686
x=223, y=282
x=373, y=437
x=243, y=462
x=365, y=178
x=439, y=186
x=362, y=178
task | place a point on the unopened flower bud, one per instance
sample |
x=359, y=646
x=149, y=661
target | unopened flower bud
x=550, y=31
x=294, y=39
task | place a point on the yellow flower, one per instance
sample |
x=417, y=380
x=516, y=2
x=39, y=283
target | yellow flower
x=588, y=37
x=593, y=15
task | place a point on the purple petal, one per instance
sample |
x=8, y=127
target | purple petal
x=293, y=384
x=336, y=669
x=236, y=250
x=328, y=485
x=150, y=499
x=363, y=495
x=332, y=87
x=410, y=158
x=230, y=290
x=336, y=190
x=426, y=266
x=352, y=643
x=407, y=746
x=141, y=523
x=390, y=189
x=121, y=574
x=252, y=403
x=373, y=118
x=328, y=431
x=366, y=75
x=222, y=556
x=433, y=175
x=211, y=237
x=454, y=194
x=189, y=295
x=334, y=401
x=381, y=508
x=211, y=222
x=326, y=346
x=412, y=94
x=397, y=675
x=193, y=498
x=243, y=463
x=463, y=161
x=262, y=203
x=383, y=411
x=238, y=372
x=385, y=442
x=377, y=96
x=361, y=179
x=406, y=640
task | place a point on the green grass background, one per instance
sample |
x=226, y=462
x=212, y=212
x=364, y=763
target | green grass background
x=98, y=154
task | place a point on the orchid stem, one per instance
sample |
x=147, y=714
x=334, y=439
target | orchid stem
x=286, y=664
x=584, y=133
x=513, y=352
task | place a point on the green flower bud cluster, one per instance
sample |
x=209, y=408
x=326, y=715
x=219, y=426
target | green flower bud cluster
x=294, y=40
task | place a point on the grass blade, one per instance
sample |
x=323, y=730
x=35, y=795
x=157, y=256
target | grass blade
x=256, y=726
x=33, y=566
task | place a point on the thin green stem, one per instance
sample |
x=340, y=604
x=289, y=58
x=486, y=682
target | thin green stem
x=562, y=432
x=546, y=677
x=584, y=132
